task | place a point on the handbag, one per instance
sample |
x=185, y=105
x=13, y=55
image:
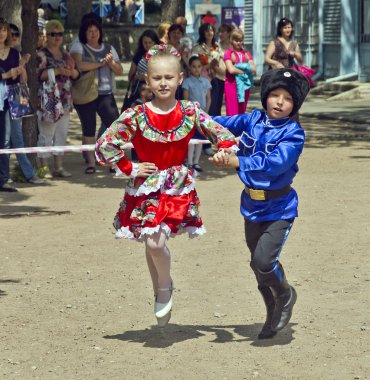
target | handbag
x=51, y=103
x=306, y=71
x=85, y=88
x=19, y=101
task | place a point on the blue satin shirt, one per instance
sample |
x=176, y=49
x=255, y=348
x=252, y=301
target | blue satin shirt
x=268, y=155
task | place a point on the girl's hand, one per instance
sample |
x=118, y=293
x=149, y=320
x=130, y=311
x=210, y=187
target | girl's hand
x=224, y=159
x=278, y=66
x=146, y=169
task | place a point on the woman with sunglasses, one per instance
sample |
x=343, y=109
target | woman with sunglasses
x=52, y=60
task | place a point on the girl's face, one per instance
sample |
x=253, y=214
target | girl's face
x=3, y=34
x=286, y=31
x=164, y=77
x=92, y=34
x=224, y=36
x=209, y=34
x=147, y=43
x=279, y=104
x=237, y=44
x=196, y=68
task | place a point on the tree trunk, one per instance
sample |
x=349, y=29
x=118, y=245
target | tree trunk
x=76, y=9
x=29, y=44
x=172, y=9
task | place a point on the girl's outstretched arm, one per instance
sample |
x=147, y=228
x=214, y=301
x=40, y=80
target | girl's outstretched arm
x=213, y=131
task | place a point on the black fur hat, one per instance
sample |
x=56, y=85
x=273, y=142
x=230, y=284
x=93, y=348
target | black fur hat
x=291, y=80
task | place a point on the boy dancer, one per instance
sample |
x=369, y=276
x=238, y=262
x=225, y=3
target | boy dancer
x=271, y=143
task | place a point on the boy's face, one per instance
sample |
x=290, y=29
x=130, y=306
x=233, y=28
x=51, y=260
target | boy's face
x=195, y=68
x=164, y=76
x=279, y=104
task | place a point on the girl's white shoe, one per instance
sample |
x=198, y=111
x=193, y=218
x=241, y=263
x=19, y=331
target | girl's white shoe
x=162, y=311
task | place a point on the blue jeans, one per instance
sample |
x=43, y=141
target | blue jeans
x=4, y=158
x=16, y=141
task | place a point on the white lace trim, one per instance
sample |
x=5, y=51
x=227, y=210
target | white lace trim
x=124, y=232
x=233, y=148
x=135, y=170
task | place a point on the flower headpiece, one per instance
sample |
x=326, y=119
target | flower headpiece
x=164, y=48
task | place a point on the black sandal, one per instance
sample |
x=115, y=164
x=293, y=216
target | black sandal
x=90, y=170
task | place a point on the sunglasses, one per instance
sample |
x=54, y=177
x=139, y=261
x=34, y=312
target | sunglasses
x=15, y=34
x=56, y=34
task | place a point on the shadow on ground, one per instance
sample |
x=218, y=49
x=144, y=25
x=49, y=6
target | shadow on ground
x=156, y=337
x=7, y=281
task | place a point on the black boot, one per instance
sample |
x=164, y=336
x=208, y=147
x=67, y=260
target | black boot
x=268, y=297
x=269, y=300
x=285, y=296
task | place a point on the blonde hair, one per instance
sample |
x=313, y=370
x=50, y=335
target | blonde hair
x=236, y=34
x=54, y=24
x=163, y=29
x=164, y=56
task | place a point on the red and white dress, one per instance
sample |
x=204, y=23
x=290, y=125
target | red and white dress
x=167, y=199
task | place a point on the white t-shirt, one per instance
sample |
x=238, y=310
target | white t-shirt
x=105, y=74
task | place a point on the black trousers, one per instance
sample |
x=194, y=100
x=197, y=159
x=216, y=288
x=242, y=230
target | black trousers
x=265, y=241
x=105, y=106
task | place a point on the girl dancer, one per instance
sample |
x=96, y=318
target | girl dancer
x=160, y=199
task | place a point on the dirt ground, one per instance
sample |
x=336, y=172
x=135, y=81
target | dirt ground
x=77, y=304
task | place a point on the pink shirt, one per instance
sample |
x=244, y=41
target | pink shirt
x=239, y=58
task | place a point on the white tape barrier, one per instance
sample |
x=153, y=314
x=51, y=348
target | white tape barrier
x=73, y=148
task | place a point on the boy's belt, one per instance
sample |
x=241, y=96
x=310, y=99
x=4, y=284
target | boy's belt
x=264, y=195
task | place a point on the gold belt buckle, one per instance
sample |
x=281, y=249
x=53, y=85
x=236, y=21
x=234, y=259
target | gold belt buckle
x=257, y=195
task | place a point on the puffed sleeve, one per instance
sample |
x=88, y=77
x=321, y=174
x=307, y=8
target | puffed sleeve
x=109, y=149
x=213, y=131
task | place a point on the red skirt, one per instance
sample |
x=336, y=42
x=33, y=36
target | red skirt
x=143, y=215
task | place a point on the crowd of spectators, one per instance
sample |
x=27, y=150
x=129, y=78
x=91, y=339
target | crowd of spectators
x=213, y=65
